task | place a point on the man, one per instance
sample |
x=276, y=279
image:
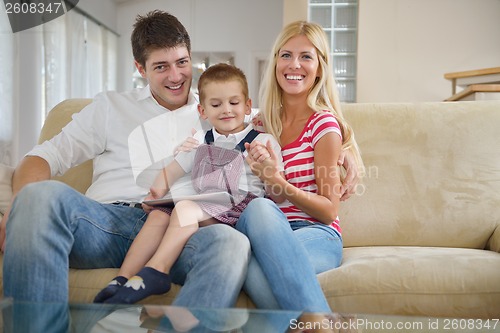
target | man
x=128, y=135
x=52, y=227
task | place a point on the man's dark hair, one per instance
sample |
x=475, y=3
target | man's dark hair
x=157, y=30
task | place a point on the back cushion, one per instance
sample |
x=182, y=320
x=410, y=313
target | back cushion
x=432, y=174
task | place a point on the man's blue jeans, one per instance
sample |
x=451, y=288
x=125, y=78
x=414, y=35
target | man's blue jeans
x=286, y=258
x=52, y=227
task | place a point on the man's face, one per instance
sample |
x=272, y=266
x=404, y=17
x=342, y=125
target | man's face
x=169, y=74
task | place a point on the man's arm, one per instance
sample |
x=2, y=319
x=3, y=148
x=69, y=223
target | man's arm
x=351, y=180
x=31, y=169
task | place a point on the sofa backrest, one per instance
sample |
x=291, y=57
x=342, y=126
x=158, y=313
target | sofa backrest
x=432, y=174
x=80, y=176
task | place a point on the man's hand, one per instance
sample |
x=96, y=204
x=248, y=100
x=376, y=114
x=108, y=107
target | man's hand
x=257, y=123
x=347, y=160
x=3, y=224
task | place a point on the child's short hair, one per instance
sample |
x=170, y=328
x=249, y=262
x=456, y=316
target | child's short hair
x=222, y=73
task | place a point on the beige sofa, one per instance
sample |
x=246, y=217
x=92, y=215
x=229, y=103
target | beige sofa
x=422, y=235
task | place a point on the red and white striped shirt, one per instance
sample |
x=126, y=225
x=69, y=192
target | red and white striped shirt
x=298, y=159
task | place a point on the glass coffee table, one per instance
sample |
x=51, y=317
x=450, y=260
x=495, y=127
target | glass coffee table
x=18, y=317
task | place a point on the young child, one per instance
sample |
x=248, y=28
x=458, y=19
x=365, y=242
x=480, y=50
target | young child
x=224, y=102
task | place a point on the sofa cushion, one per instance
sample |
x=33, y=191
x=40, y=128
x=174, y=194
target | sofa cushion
x=443, y=282
x=5, y=187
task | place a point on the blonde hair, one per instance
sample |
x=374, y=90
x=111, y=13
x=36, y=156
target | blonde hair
x=323, y=95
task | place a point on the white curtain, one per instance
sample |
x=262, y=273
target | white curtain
x=76, y=55
x=77, y=47
x=110, y=58
x=56, y=73
x=7, y=114
x=94, y=58
x=69, y=57
x=101, y=58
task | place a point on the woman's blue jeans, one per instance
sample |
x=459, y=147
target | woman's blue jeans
x=286, y=258
x=52, y=227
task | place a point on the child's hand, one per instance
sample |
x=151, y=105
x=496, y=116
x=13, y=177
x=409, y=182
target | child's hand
x=258, y=152
x=153, y=194
x=262, y=160
x=189, y=144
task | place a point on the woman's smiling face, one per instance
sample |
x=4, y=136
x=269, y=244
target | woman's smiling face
x=297, y=66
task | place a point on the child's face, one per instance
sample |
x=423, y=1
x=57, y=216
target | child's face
x=225, y=106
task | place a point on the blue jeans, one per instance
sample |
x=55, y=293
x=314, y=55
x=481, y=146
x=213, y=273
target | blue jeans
x=286, y=258
x=52, y=227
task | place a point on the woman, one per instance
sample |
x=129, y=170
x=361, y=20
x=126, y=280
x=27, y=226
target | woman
x=300, y=238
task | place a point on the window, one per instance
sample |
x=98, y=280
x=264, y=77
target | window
x=339, y=19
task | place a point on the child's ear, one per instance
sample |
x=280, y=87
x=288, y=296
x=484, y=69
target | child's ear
x=201, y=111
x=248, y=105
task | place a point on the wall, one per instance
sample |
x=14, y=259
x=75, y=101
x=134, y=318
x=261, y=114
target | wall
x=406, y=46
x=294, y=10
x=103, y=11
x=245, y=28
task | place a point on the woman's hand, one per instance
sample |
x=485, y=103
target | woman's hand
x=262, y=160
x=266, y=165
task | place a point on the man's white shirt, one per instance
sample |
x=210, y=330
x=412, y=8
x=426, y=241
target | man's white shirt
x=129, y=136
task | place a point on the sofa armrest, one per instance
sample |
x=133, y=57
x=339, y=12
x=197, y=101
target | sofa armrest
x=79, y=177
x=493, y=243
